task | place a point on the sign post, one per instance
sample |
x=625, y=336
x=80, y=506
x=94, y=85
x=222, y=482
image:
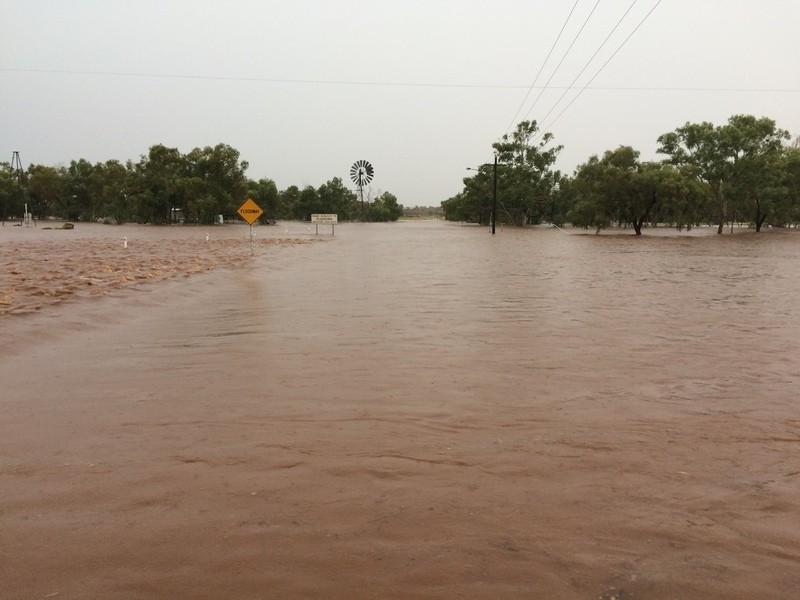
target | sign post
x=325, y=220
x=250, y=211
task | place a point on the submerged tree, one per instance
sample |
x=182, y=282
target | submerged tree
x=721, y=157
x=217, y=180
x=264, y=192
x=385, y=208
x=526, y=178
x=10, y=191
x=334, y=197
x=526, y=181
x=48, y=190
x=618, y=188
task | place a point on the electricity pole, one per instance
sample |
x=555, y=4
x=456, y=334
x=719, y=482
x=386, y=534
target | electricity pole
x=494, y=196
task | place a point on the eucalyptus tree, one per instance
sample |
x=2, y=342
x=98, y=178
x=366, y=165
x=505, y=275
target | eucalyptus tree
x=47, y=191
x=791, y=182
x=456, y=208
x=587, y=196
x=81, y=197
x=526, y=182
x=474, y=203
x=109, y=186
x=681, y=196
x=154, y=186
x=288, y=199
x=718, y=156
x=757, y=194
x=10, y=194
x=264, y=192
x=526, y=179
x=308, y=203
x=214, y=182
x=334, y=197
x=385, y=208
x=618, y=188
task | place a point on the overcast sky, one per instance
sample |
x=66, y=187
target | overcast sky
x=419, y=88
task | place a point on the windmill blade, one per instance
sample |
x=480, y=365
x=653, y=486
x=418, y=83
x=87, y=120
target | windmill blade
x=361, y=172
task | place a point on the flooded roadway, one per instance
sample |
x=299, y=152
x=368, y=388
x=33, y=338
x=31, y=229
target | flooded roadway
x=418, y=410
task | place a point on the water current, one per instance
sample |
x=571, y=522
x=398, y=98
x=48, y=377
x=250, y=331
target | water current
x=416, y=410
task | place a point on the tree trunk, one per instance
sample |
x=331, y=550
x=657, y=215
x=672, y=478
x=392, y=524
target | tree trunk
x=723, y=208
x=759, y=217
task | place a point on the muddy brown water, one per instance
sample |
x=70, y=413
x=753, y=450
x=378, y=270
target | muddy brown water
x=413, y=410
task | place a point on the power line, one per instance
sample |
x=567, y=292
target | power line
x=605, y=64
x=575, y=39
x=331, y=82
x=410, y=84
x=588, y=62
x=535, y=79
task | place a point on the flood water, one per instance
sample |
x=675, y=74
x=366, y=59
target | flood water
x=420, y=410
x=429, y=303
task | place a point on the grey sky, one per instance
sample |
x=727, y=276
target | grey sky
x=420, y=88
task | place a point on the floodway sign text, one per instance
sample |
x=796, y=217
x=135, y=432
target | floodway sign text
x=250, y=211
x=325, y=219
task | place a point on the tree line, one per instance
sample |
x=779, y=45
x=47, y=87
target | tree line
x=166, y=186
x=744, y=171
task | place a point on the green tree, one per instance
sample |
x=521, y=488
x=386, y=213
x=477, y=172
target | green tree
x=80, y=181
x=791, y=183
x=587, y=196
x=457, y=208
x=474, y=203
x=154, y=187
x=681, y=197
x=264, y=192
x=527, y=182
x=620, y=189
x=10, y=191
x=756, y=193
x=289, y=200
x=385, y=208
x=717, y=156
x=48, y=191
x=110, y=182
x=334, y=197
x=308, y=203
x=218, y=178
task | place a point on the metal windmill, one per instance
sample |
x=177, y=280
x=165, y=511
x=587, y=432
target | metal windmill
x=22, y=189
x=361, y=173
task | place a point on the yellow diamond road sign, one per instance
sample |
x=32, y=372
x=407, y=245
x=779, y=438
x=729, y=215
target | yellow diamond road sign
x=250, y=211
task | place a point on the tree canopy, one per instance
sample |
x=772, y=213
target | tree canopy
x=526, y=186
x=166, y=186
x=742, y=171
x=727, y=159
x=618, y=188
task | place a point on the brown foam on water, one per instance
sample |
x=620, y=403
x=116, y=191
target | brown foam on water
x=46, y=271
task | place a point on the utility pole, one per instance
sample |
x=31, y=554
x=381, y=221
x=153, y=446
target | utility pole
x=494, y=192
x=494, y=196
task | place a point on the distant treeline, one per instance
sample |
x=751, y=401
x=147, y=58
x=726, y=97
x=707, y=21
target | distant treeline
x=166, y=186
x=742, y=172
x=423, y=212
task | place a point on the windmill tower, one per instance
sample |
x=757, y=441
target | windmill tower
x=361, y=173
x=16, y=167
